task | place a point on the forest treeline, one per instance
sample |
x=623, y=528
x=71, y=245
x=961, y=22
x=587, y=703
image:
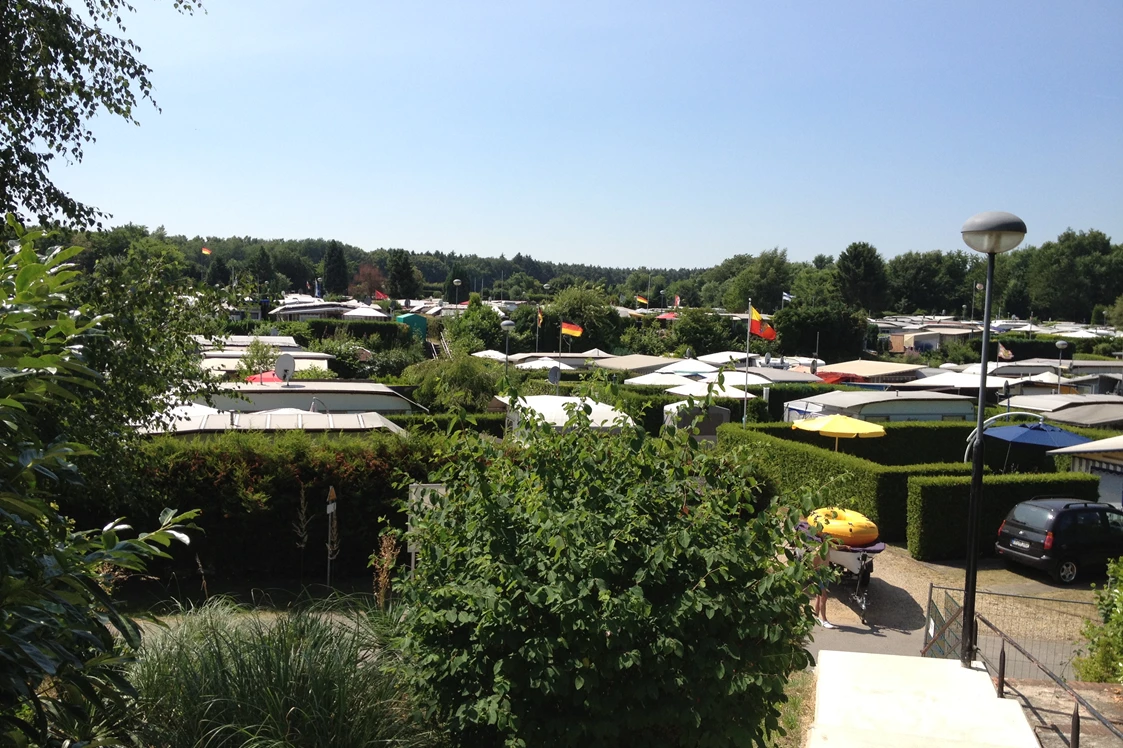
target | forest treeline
x=1077, y=277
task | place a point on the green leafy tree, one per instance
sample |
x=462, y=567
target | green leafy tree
x=477, y=328
x=60, y=673
x=218, y=273
x=335, y=270
x=701, y=331
x=764, y=280
x=861, y=277
x=62, y=64
x=589, y=309
x=298, y=269
x=400, y=277
x=461, y=383
x=604, y=590
x=259, y=357
x=837, y=330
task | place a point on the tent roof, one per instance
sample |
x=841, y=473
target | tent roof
x=700, y=389
x=552, y=408
x=659, y=380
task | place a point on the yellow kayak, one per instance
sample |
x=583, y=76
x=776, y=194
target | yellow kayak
x=844, y=525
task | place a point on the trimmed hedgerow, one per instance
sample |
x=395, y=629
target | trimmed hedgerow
x=904, y=443
x=877, y=491
x=249, y=487
x=388, y=334
x=485, y=423
x=937, y=507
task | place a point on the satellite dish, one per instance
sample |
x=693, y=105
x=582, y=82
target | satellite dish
x=767, y=359
x=286, y=367
x=554, y=374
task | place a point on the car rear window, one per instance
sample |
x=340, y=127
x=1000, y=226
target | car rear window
x=1031, y=515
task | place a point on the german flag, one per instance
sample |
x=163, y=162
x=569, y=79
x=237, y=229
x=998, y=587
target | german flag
x=568, y=328
x=206, y=250
x=641, y=299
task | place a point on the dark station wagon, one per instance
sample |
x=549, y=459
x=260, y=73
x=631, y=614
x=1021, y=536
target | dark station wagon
x=1062, y=536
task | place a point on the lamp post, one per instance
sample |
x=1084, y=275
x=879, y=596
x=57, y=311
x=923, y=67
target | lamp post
x=1061, y=345
x=507, y=326
x=991, y=233
x=456, y=282
x=662, y=299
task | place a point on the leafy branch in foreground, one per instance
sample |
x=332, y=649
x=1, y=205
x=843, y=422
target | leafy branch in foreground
x=60, y=662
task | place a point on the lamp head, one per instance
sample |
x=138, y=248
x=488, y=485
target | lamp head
x=507, y=325
x=993, y=232
x=456, y=281
x=1062, y=344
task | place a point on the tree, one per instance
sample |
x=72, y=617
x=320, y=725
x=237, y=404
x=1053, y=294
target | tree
x=462, y=382
x=400, y=278
x=260, y=266
x=368, y=282
x=61, y=64
x=763, y=280
x=297, y=268
x=61, y=663
x=335, y=270
x=259, y=357
x=477, y=328
x=701, y=331
x=587, y=308
x=822, y=261
x=562, y=597
x=861, y=277
x=835, y=331
x=218, y=274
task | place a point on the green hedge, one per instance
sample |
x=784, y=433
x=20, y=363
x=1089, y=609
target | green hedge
x=486, y=423
x=904, y=443
x=877, y=491
x=248, y=487
x=937, y=508
x=1039, y=346
x=387, y=334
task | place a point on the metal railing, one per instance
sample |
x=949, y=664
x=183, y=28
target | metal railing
x=1079, y=701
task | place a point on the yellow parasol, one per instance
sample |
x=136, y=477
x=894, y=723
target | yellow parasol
x=840, y=427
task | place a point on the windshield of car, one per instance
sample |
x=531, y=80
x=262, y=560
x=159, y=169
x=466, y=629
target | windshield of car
x=1031, y=515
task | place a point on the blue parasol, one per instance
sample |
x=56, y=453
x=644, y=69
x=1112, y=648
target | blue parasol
x=1036, y=435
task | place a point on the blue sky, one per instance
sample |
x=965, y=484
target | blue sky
x=619, y=133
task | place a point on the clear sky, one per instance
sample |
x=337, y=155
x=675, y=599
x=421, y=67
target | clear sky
x=620, y=133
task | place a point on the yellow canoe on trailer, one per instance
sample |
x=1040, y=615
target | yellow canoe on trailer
x=844, y=525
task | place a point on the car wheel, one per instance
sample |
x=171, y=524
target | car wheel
x=1066, y=571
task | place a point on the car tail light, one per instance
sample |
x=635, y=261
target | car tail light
x=1048, y=540
x=1000, y=527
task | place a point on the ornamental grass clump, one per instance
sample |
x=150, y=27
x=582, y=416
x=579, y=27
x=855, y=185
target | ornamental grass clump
x=585, y=588
x=220, y=675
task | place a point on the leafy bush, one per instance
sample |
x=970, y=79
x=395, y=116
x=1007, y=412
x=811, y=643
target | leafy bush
x=1104, y=661
x=463, y=382
x=484, y=423
x=222, y=676
x=314, y=373
x=878, y=491
x=376, y=335
x=605, y=590
x=937, y=507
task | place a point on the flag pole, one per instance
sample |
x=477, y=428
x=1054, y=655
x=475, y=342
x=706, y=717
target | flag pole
x=748, y=328
x=537, y=329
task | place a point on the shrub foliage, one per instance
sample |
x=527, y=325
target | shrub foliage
x=591, y=589
x=1104, y=660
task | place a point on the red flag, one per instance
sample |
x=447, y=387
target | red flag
x=767, y=331
x=379, y=296
x=678, y=303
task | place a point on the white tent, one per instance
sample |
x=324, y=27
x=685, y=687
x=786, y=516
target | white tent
x=956, y=380
x=595, y=353
x=366, y=312
x=700, y=389
x=493, y=355
x=552, y=408
x=544, y=363
x=659, y=380
x=1030, y=328
x=687, y=367
x=1078, y=334
x=977, y=369
x=738, y=378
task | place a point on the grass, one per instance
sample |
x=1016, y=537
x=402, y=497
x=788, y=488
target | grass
x=220, y=675
x=797, y=712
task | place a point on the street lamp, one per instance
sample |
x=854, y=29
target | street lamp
x=1061, y=345
x=662, y=299
x=507, y=326
x=456, y=282
x=991, y=233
